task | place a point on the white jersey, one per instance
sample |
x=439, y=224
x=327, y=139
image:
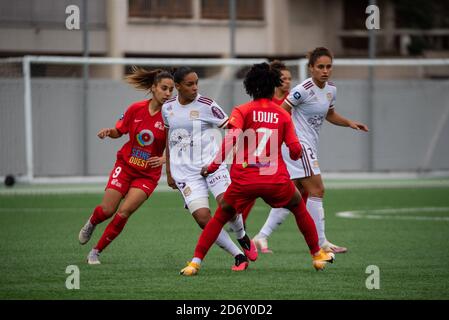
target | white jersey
x=193, y=137
x=310, y=105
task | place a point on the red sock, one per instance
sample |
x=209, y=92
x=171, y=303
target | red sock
x=111, y=232
x=307, y=227
x=98, y=216
x=305, y=196
x=210, y=233
x=247, y=210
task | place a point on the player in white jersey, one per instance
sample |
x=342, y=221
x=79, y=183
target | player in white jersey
x=310, y=103
x=193, y=123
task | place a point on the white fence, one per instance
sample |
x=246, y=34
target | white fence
x=418, y=110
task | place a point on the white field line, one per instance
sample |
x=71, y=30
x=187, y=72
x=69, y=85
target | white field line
x=396, y=214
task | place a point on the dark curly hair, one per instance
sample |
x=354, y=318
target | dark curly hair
x=261, y=80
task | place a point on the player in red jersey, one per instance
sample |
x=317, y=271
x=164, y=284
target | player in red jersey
x=258, y=170
x=139, y=162
x=274, y=219
x=280, y=93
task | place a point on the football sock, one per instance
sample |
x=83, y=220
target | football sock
x=307, y=227
x=245, y=242
x=315, y=207
x=274, y=220
x=305, y=196
x=197, y=260
x=237, y=226
x=112, y=230
x=224, y=241
x=210, y=233
x=98, y=216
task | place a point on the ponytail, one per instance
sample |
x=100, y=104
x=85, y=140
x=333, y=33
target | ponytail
x=143, y=79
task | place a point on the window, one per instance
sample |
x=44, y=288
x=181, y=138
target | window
x=245, y=9
x=160, y=8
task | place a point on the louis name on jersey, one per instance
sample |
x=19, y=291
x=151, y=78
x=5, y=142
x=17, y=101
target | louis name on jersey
x=267, y=117
x=310, y=105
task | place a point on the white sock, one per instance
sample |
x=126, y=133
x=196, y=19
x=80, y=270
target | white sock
x=316, y=210
x=238, y=227
x=274, y=220
x=225, y=242
x=197, y=260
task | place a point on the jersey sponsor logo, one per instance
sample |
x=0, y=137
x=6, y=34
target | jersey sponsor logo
x=115, y=182
x=315, y=122
x=267, y=117
x=137, y=120
x=194, y=114
x=217, y=178
x=159, y=125
x=297, y=95
x=217, y=112
x=329, y=96
x=145, y=138
x=139, y=158
x=181, y=139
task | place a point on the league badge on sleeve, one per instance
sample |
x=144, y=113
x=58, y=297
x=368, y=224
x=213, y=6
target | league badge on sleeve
x=217, y=112
x=297, y=95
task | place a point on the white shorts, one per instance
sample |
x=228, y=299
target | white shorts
x=217, y=183
x=306, y=166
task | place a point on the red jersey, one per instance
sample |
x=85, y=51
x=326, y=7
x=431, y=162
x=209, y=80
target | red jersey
x=279, y=102
x=146, y=138
x=258, y=159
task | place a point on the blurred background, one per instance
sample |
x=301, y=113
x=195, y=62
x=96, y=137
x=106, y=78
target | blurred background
x=61, y=82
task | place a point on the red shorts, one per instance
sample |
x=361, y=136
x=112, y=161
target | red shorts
x=275, y=195
x=122, y=178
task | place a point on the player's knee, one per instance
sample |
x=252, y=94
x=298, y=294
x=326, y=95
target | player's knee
x=202, y=220
x=317, y=192
x=109, y=210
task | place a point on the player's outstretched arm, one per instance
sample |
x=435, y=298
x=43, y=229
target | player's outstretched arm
x=227, y=145
x=109, y=132
x=337, y=119
x=291, y=140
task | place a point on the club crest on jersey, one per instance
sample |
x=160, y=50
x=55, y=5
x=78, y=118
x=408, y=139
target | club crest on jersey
x=159, y=125
x=187, y=191
x=194, y=114
x=329, y=96
x=217, y=112
x=145, y=138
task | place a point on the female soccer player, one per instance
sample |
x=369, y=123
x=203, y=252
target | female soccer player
x=310, y=103
x=139, y=162
x=258, y=170
x=191, y=119
x=281, y=92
